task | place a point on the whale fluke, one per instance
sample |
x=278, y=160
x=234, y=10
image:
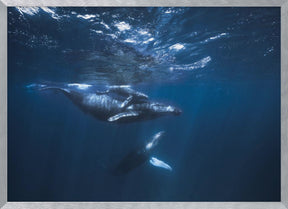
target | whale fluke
x=42, y=87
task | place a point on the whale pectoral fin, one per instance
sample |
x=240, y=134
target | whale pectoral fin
x=123, y=115
x=127, y=102
x=158, y=163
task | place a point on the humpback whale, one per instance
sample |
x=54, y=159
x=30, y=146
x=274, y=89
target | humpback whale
x=140, y=156
x=116, y=104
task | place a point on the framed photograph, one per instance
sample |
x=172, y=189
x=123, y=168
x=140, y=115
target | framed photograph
x=118, y=104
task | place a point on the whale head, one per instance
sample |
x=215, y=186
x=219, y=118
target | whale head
x=165, y=109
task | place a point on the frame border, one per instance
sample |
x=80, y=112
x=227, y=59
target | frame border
x=143, y=205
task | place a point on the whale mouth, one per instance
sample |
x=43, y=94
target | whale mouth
x=177, y=111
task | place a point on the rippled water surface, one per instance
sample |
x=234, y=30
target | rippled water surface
x=221, y=66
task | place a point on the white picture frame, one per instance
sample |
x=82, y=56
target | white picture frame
x=152, y=205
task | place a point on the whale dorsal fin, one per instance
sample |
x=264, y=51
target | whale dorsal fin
x=123, y=115
x=160, y=164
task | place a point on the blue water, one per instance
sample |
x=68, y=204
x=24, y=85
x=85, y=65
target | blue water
x=221, y=66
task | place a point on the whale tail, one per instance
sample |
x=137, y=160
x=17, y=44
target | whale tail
x=42, y=87
x=35, y=86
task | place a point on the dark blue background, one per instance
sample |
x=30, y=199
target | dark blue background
x=224, y=147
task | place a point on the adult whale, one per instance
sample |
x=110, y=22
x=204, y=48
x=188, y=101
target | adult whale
x=140, y=156
x=116, y=104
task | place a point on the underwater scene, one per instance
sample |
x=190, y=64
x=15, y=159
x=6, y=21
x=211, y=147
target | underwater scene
x=144, y=104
